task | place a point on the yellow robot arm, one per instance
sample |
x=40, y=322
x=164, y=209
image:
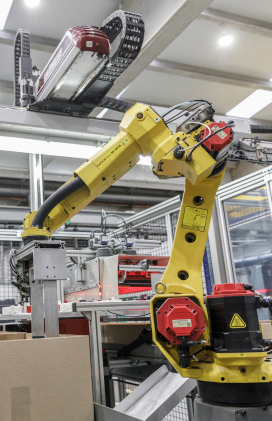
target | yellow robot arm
x=181, y=324
x=142, y=132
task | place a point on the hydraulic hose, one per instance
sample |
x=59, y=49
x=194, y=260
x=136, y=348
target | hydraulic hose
x=57, y=197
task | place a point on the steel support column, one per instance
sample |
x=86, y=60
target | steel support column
x=37, y=310
x=51, y=309
x=96, y=357
x=36, y=181
x=169, y=229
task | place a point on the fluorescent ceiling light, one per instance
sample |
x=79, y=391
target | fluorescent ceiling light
x=5, y=6
x=225, y=40
x=32, y=3
x=43, y=147
x=70, y=150
x=252, y=104
x=270, y=80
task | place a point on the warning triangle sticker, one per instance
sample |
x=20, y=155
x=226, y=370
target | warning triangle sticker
x=237, y=322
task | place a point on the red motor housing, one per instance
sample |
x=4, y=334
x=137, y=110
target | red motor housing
x=229, y=290
x=179, y=317
x=219, y=143
x=82, y=54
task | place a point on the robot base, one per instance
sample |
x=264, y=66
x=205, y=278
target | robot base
x=205, y=411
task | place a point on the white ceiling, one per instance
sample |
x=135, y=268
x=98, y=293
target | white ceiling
x=52, y=18
x=150, y=87
x=260, y=10
x=198, y=45
x=248, y=56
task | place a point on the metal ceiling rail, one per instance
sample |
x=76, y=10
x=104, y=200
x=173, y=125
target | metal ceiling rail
x=246, y=183
x=114, y=305
x=15, y=235
x=20, y=122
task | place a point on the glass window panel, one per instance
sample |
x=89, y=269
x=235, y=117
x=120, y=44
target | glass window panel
x=250, y=226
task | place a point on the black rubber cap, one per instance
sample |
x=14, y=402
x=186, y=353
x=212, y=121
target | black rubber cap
x=178, y=152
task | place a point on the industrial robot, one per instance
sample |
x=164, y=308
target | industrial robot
x=214, y=339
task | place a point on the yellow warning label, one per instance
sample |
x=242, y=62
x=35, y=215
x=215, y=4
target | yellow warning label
x=194, y=219
x=237, y=322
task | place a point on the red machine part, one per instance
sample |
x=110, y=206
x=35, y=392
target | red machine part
x=229, y=290
x=89, y=38
x=219, y=141
x=179, y=317
x=137, y=281
x=77, y=39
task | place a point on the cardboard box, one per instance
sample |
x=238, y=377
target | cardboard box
x=45, y=379
x=122, y=333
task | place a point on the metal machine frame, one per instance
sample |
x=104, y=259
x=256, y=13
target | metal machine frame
x=223, y=262
x=45, y=264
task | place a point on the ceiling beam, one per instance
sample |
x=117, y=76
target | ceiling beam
x=37, y=42
x=164, y=22
x=211, y=75
x=241, y=22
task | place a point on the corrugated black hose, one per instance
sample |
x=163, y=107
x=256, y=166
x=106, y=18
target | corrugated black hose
x=55, y=198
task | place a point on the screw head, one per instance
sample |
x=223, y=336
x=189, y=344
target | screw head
x=140, y=116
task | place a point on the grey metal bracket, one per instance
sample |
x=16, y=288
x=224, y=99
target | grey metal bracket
x=47, y=264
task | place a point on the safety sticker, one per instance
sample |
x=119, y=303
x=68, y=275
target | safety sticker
x=194, y=219
x=111, y=153
x=221, y=134
x=182, y=323
x=237, y=322
x=89, y=44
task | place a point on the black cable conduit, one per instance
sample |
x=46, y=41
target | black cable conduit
x=55, y=198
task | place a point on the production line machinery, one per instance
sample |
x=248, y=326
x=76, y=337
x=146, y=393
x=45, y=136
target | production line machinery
x=83, y=68
x=113, y=265
x=216, y=340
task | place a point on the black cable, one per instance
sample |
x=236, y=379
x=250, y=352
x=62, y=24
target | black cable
x=121, y=315
x=179, y=105
x=206, y=138
x=246, y=160
x=53, y=200
x=122, y=381
x=179, y=114
x=116, y=216
x=12, y=263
